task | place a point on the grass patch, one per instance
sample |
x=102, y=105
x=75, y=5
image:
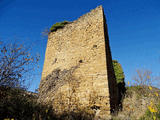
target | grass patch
x=58, y=25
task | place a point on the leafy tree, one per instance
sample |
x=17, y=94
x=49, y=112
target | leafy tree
x=16, y=64
x=119, y=74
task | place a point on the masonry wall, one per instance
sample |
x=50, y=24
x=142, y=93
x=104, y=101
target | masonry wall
x=78, y=71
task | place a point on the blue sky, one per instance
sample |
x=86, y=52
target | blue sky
x=133, y=25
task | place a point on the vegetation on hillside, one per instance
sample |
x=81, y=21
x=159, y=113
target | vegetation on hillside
x=21, y=105
x=18, y=104
x=141, y=100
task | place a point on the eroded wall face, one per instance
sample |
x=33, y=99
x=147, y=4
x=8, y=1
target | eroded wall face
x=75, y=68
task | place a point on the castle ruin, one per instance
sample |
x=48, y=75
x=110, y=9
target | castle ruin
x=78, y=72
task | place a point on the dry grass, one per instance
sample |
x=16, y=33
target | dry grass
x=136, y=102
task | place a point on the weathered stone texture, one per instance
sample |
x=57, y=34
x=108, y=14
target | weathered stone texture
x=78, y=71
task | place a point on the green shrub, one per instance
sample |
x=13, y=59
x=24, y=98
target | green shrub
x=118, y=71
x=58, y=25
x=119, y=74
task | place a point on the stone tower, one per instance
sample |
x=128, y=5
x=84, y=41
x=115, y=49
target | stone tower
x=78, y=72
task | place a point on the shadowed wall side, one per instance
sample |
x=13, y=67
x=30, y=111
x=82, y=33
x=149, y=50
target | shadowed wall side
x=113, y=88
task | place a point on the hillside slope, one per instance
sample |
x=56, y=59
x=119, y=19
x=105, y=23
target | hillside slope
x=139, y=103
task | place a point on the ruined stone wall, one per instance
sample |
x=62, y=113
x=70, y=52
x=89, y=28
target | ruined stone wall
x=76, y=67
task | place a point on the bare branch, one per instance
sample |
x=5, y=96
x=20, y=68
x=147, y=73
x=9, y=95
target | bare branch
x=15, y=63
